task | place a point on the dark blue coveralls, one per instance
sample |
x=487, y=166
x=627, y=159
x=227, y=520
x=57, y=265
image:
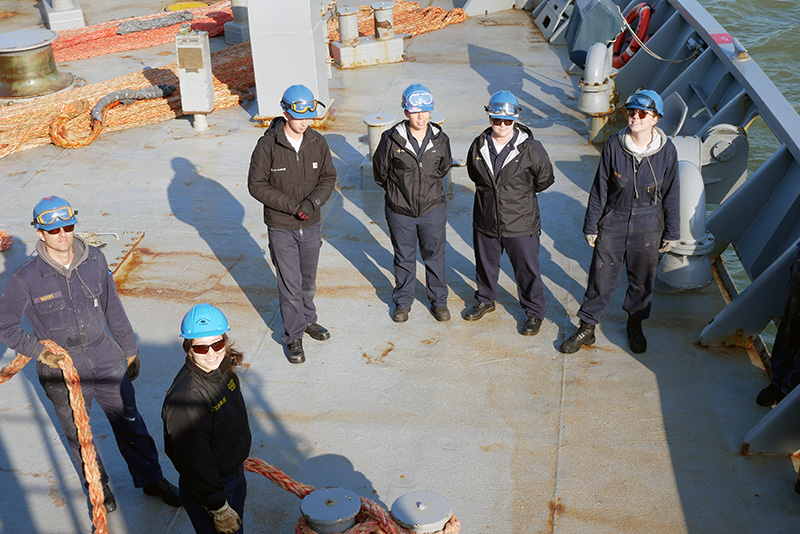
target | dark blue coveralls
x=72, y=308
x=634, y=204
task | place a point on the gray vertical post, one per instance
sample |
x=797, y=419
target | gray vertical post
x=377, y=123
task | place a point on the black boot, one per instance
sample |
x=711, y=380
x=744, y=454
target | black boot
x=636, y=339
x=584, y=336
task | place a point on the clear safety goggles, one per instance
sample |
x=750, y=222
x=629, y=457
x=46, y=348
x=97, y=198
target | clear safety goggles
x=639, y=101
x=301, y=106
x=420, y=99
x=48, y=217
x=503, y=108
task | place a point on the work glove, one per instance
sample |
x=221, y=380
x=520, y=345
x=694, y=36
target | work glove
x=305, y=209
x=50, y=359
x=133, y=366
x=590, y=238
x=226, y=520
x=667, y=245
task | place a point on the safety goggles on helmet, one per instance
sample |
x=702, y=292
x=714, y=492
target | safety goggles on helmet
x=419, y=99
x=640, y=101
x=503, y=108
x=48, y=217
x=302, y=106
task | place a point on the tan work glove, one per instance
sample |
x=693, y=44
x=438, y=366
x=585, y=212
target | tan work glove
x=50, y=359
x=666, y=246
x=226, y=520
x=590, y=239
x=133, y=366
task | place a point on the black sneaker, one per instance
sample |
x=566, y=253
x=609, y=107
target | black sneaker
x=478, y=310
x=531, y=327
x=164, y=489
x=400, y=315
x=318, y=332
x=440, y=313
x=109, y=502
x=770, y=395
x=295, y=349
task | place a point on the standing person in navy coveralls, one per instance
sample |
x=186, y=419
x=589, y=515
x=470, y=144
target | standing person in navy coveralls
x=633, y=214
x=410, y=163
x=509, y=168
x=68, y=295
x=292, y=174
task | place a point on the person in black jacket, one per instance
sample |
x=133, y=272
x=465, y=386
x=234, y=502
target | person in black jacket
x=410, y=162
x=633, y=214
x=292, y=174
x=206, y=431
x=509, y=168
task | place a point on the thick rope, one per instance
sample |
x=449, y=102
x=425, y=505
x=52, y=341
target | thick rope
x=6, y=240
x=91, y=472
x=407, y=16
x=372, y=518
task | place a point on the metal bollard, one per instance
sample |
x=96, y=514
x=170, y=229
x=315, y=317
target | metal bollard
x=377, y=123
x=330, y=510
x=27, y=66
x=348, y=26
x=384, y=20
x=422, y=511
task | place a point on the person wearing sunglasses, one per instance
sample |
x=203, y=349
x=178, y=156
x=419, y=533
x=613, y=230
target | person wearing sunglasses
x=632, y=215
x=206, y=430
x=292, y=175
x=68, y=295
x=410, y=163
x=509, y=168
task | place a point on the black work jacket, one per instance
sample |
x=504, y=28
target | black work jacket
x=281, y=178
x=625, y=182
x=507, y=206
x=413, y=184
x=206, y=431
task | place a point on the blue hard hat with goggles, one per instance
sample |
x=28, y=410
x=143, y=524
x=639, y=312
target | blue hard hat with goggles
x=299, y=102
x=53, y=212
x=417, y=98
x=647, y=100
x=503, y=105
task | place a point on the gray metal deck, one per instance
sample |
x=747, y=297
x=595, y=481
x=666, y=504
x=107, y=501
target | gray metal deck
x=520, y=438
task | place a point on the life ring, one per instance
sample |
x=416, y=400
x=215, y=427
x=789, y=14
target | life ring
x=642, y=13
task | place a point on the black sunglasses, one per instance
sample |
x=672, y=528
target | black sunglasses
x=68, y=229
x=203, y=349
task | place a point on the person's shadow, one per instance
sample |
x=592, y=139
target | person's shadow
x=219, y=219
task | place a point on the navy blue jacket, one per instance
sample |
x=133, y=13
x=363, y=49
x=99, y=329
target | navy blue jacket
x=413, y=185
x=623, y=182
x=507, y=206
x=70, y=307
x=206, y=431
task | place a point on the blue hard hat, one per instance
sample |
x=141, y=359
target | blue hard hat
x=203, y=320
x=299, y=102
x=647, y=100
x=417, y=98
x=503, y=105
x=53, y=212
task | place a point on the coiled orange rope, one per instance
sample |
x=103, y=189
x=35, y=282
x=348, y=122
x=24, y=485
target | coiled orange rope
x=371, y=519
x=88, y=453
x=408, y=18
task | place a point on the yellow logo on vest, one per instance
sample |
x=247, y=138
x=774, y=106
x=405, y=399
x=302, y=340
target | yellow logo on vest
x=219, y=405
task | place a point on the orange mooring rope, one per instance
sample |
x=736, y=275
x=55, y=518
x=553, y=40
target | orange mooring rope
x=5, y=240
x=371, y=519
x=88, y=453
x=408, y=18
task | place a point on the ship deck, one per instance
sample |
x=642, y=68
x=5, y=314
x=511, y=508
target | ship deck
x=518, y=437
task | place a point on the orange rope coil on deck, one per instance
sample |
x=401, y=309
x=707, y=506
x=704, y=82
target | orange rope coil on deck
x=371, y=519
x=408, y=18
x=78, y=405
